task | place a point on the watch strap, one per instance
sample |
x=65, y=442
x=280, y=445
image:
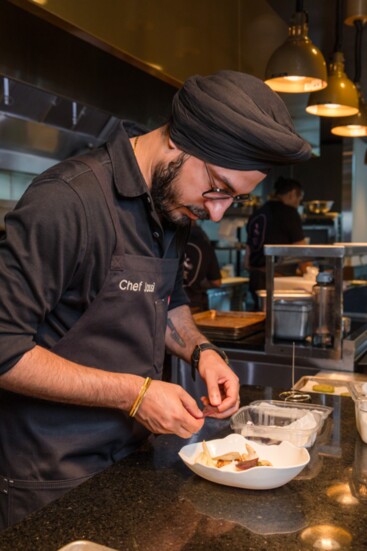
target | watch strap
x=195, y=357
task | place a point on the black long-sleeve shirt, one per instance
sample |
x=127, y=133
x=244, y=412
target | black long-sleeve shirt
x=59, y=243
x=274, y=223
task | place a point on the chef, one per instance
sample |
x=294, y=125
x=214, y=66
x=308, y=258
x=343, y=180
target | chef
x=91, y=287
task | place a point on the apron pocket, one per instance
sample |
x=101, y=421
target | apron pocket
x=19, y=498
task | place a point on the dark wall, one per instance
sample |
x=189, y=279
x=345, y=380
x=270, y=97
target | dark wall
x=39, y=53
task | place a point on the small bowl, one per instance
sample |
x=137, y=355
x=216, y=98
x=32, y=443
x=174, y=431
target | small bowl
x=318, y=207
x=287, y=462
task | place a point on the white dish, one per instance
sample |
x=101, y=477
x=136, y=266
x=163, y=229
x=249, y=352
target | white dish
x=307, y=384
x=85, y=545
x=287, y=462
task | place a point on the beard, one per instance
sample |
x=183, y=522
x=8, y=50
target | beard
x=166, y=197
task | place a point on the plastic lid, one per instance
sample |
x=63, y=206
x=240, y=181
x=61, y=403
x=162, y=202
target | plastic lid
x=324, y=277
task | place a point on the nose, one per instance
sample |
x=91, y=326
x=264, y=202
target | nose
x=216, y=209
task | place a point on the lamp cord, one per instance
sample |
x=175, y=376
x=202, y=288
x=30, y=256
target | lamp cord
x=359, y=26
x=299, y=9
x=338, y=28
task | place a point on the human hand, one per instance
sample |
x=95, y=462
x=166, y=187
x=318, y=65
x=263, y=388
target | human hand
x=222, y=384
x=168, y=409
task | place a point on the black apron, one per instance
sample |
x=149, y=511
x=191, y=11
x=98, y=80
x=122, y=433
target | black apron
x=48, y=448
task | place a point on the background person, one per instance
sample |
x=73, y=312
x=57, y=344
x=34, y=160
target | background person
x=201, y=269
x=277, y=222
x=91, y=287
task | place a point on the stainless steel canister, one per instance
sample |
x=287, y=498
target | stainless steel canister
x=292, y=319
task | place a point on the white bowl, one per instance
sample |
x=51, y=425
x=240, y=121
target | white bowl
x=287, y=462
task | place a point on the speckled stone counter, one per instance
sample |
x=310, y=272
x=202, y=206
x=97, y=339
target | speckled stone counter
x=152, y=502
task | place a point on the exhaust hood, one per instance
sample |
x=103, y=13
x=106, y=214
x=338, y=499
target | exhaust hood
x=62, y=94
x=37, y=124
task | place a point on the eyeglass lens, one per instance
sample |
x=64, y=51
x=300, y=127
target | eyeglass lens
x=216, y=194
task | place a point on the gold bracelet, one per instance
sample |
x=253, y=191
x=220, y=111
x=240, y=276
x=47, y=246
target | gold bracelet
x=136, y=405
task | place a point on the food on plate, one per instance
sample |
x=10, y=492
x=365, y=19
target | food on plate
x=324, y=388
x=264, y=463
x=247, y=464
x=242, y=462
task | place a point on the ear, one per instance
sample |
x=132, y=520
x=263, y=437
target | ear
x=171, y=144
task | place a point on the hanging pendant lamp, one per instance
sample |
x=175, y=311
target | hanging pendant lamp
x=356, y=126
x=352, y=127
x=340, y=98
x=355, y=10
x=297, y=66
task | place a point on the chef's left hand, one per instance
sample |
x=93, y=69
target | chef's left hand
x=222, y=384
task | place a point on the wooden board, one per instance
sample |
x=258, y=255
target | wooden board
x=235, y=325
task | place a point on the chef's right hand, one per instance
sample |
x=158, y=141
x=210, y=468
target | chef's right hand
x=168, y=409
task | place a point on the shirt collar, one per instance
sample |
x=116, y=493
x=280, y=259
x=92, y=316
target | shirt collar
x=128, y=179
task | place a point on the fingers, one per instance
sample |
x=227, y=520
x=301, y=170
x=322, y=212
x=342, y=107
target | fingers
x=224, y=395
x=229, y=402
x=182, y=424
x=184, y=432
x=219, y=412
x=191, y=406
x=226, y=412
x=168, y=409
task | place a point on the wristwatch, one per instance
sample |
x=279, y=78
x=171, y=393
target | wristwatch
x=195, y=358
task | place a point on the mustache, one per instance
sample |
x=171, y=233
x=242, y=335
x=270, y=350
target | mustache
x=171, y=210
x=200, y=213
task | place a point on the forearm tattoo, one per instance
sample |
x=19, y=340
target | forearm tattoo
x=176, y=337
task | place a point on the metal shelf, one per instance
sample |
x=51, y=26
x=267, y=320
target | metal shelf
x=333, y=255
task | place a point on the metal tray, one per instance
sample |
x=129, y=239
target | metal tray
x=306, y=383
x=231, y=325
x=84, y=545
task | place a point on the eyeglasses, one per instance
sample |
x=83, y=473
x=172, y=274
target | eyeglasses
x=218, y=194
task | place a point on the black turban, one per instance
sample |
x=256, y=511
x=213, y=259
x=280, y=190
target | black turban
x=234, y=120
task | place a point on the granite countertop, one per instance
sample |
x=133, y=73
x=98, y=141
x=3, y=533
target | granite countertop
x=151, y=501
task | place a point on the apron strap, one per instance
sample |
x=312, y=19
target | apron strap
x=104, y=181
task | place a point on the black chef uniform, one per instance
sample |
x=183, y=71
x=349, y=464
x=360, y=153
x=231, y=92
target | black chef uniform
x=47, y=447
